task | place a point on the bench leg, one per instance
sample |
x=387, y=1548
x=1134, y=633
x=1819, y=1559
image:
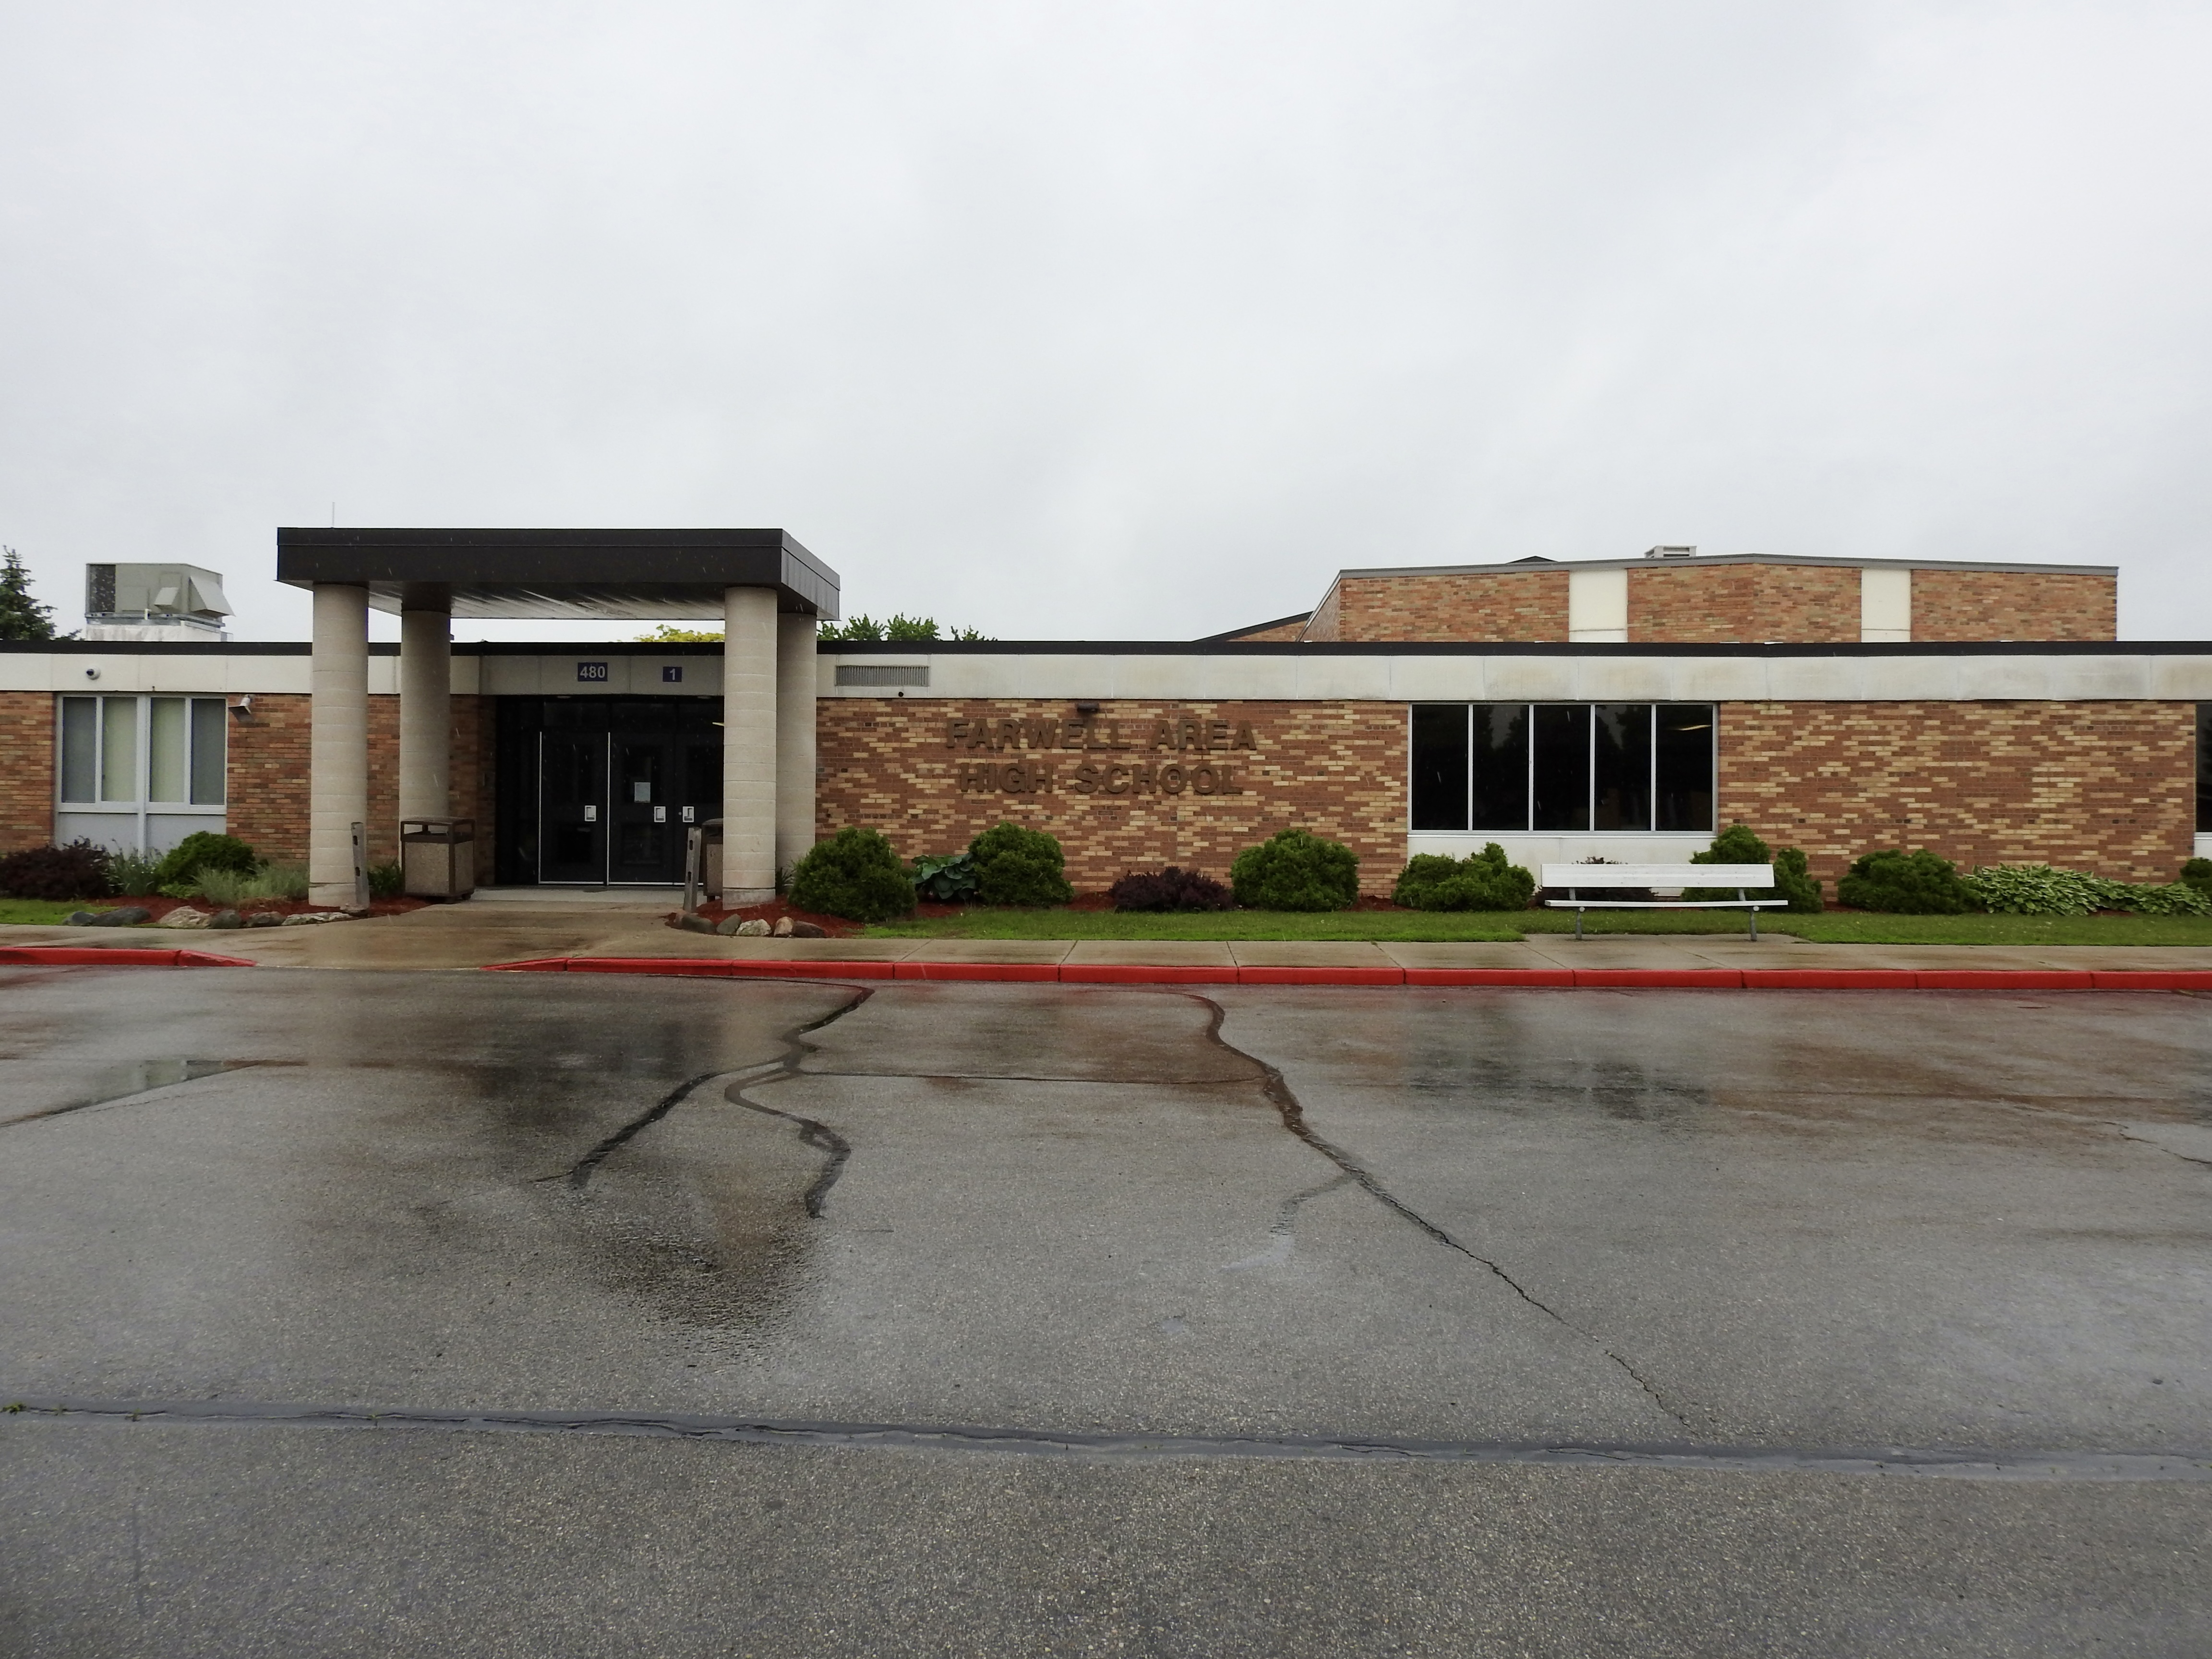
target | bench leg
x=1578, y=924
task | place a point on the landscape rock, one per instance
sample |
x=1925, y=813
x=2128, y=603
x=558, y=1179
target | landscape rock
x=753, y=929
x=226, y=918
x=80, y=918
x=692, y=922
x=265, y=919
x=729, y=925
x=309, y=918
x=783, y=927
x=808, y=930
x=130, y=915
x=183, y=916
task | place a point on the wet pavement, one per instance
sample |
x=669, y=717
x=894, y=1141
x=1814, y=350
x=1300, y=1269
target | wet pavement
x=980, y=1317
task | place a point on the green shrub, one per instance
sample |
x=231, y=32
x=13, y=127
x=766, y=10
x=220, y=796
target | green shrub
x=79, y=870
x=855, y=874
x=1014, y=866
x=2037, y=890
x=1296, y=870
x=134, y=874
x=1737, y=844
x=946, y=878
x=202, y=850
x=386, y=881
x=1906, y=884
x=271, y=881
x=1481, y=881
x=2176, y=898
x=2198, y=873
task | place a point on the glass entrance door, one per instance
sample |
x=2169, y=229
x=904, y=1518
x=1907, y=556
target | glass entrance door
x=646, y=830
x=572, y=843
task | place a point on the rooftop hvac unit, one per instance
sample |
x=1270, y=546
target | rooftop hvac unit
x=1672, y=553
x=152, y=602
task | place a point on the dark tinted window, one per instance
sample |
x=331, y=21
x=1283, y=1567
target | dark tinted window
x=1501, y=766
x=1686, y=766
x=1622, y=763
x=1563, y=770
x=2204, y=769
x=1439, y=766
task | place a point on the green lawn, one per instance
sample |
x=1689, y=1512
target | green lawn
x=1414, y=926
x=36, y=913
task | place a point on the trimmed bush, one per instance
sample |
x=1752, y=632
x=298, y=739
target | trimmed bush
x=946, y=878
x=79, y=870
x=1296, y=870
x=1481, y=881
x=1906, y=884
x=1171, y=889
x=855, y=874
x=1737, y=844
x=2198, y=873
x=202, y=850
x=1014, y=866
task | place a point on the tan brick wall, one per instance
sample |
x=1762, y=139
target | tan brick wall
x=1294, y=629
x=1515, y=605
x=1336, y=767
x=2108, y=788
x=26, y=763
x=1321, y=627
x=1736, y=604
x=1950, y=606
x=269, y=777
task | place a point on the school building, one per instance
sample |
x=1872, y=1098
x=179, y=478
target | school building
x=1622, y=707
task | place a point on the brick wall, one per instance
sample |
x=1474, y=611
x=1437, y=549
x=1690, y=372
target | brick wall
x=2108, y=788
x=1337, y=767
x=1293, y=629
x=269, y=777
x=2007, y=604
x=1726, y=604
x=1324, y=625
x=27, y=765
x=1513, y=605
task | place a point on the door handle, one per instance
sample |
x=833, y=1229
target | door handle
x=591, y=815
x=688, y=811
x=660, y=815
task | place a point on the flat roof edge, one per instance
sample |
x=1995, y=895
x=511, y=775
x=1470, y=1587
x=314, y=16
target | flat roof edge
x=1157, y=648
x=1523, y=569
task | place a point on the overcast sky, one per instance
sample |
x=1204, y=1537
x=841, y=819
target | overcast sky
x=1136, y=320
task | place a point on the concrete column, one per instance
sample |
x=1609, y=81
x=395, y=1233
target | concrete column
x=794, y=738
x=426, y=714
x=337, y=740
x=749, y=678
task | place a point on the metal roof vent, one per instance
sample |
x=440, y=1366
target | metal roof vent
x=1672, y=553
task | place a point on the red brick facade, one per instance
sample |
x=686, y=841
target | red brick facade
x=1723, y=604
x=1482, y=606
x=1951, y=605
x=26, y=763
x=2108, y=788
x=1140, y=786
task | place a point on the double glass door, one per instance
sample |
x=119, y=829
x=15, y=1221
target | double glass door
x=613, y=805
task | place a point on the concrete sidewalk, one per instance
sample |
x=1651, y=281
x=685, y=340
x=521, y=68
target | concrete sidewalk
x=479, y=935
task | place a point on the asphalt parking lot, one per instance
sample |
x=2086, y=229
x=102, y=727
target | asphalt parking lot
x=486, y=1314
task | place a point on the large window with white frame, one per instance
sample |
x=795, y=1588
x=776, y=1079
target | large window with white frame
x=140, y=773
x=1564, y=768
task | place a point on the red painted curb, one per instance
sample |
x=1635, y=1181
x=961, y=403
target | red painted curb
x=1321, y=975
x=1034, y=973
x=1998, y=979
x=1562, y=976
x=122, y=956
x=1025, y=972
x=1115, y=973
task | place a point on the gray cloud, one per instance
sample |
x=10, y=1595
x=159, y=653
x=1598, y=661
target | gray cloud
x=1130, y=321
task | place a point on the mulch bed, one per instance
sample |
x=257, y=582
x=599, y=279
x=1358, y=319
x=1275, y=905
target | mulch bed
x=160, y=906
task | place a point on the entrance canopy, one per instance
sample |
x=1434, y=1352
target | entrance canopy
x=560, y=575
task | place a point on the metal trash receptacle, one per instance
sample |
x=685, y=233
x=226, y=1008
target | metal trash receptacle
x=710, y=857
x=438, y=858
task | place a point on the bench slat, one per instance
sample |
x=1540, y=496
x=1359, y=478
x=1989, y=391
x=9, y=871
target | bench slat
x=1598, y=875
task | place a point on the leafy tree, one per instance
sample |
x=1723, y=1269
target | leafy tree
x=21, y=616
x=670, y=634
x=901, y=626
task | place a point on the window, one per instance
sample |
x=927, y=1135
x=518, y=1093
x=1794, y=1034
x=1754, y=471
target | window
x=2204, y=769
x=141, y=773
x=1564, y=768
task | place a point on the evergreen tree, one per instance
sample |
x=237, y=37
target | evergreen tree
x=21, y=616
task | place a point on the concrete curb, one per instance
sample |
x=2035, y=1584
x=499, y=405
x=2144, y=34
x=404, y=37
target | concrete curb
x=121, y=956
x=1668, y=979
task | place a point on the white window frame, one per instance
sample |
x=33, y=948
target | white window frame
x=138, y=824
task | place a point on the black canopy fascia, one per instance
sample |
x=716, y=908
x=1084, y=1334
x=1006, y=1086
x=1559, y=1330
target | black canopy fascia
x=559, y=575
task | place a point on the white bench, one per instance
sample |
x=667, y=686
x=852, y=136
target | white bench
x=1601, y=877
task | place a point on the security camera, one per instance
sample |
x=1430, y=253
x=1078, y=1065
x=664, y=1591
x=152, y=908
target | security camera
x=91, y=673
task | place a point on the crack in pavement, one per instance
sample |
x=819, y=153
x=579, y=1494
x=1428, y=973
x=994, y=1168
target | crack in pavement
x=1281, y=1237
x=1287, y=1105
x=1954, y=1462
x=784, y=1065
